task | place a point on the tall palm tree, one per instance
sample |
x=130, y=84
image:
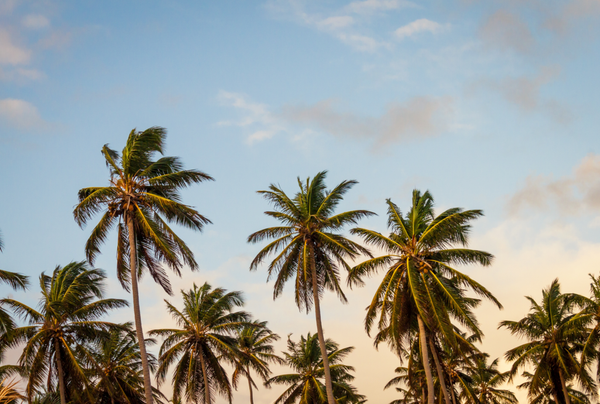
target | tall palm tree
x=554, y=336
x=308, y=246
x=590, y=315
x=255, y=346
x=142, y=190
x=9, y=393
x=206, y=338
x=67, y=317
x=485, y=380
x=306, y=384
x=420, y=285
x=115, y=365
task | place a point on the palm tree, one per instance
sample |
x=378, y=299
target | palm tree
x=312, y=250
x=590, y=315
x=254, y=343
x=545, y=395
x=16, y=281
x=306, y=384
x=485, y=381
x=67, y=318
x=115, y=365
x=554, y=335
x=420, y=285
x=140, y=191
x=9, y=393
x=206, y=338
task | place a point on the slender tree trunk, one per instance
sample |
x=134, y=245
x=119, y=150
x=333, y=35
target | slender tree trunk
x=426, y=364
x=250, y=385
x=440, y=371
x=133, y=265
x=564, y=387
x=61, y=376
x=453, y=396
x=328, y=385
x=205, y=375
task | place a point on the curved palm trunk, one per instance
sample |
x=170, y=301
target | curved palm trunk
x=205, y=375
x=328, y=385
x=564, y=387
x=250, y=384
x=133, y=265
x=440, y=372
x=426, y=365
x=61, y=376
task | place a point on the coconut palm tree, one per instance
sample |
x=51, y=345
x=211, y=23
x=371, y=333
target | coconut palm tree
x=308, y=246
x=421, y=284
x=115, y=366
x=545, y=395
x=590, y=315
x=206, y=338
x=306, y=384
x=16, y=281
x=142, y=193
x=554, y=336
x=9, y=393
x=67, y=317
x=485, y=379
x=255, y=346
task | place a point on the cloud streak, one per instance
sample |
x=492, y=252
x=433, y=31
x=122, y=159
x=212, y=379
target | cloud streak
x=572, y=195
x=418, y=26
x=20, y=115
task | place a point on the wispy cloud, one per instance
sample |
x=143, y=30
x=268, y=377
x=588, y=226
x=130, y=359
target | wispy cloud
x=524, y=92
x=372, y=6
x=572, y=194
x=417, y=118
x=418, y=26
x=35, y=21
x=10, y=52
x=21, y=115
x=505, y=30
x=256, y=117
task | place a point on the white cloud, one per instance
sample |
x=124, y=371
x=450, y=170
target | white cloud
x=10, y=53
x=35, y=21
x=21, y=74
x=336, y=22
x=20, y=114
x=507, y=31
x=254, y=115
x=370, y=6
x=418, y=26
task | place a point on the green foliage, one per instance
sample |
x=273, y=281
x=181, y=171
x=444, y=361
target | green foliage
x=206, y=339
x=306, y=384
x=144, y=191
x=68, y=317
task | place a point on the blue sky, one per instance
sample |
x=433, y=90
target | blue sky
x=489, y=105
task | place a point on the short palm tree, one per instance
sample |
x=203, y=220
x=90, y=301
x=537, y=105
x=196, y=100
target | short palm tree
x=421, y=284
x=308, y=246
x=555, y=334
x=485, y=380
x=255, y=346
x=206, y=338
x=115, y=366
x=306, y=384
x=142, y=190
x=67, y=318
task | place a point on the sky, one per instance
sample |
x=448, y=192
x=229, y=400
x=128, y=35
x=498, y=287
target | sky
x=489, y=105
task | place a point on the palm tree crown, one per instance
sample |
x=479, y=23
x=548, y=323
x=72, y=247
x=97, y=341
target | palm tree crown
x=67, y=318
x=420, y=285
x=308, y=247
x=208, y=324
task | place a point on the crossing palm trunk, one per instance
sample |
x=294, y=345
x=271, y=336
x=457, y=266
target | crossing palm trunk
x=205, y=375
x=564, y=387
x=61, y=376
x=315, y=290
x=249, y=384
x=133, y=266
x=426, y=364
x=440, y=371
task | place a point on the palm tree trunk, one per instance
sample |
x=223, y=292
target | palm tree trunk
x=440, y=371
x=564, y=387
x=453, y=396
x=133, y=266
x=249, y=384
x=61, y=376
x=328, y=385
x=426, y=364
x=205, y=375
